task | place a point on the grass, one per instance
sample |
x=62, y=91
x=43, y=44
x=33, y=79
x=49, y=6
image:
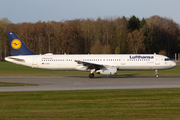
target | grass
x=5, y=84
x=91, y=104
x=11, y=69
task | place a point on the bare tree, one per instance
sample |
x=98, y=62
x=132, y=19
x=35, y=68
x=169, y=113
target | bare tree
x=136, y=41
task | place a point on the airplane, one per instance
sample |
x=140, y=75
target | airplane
x=105, y=64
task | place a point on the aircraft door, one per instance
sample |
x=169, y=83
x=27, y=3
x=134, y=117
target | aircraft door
x=34, y=61
x=123, y=62
x=157, y=60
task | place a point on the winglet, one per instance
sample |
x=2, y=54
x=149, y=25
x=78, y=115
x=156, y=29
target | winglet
x=17, y=46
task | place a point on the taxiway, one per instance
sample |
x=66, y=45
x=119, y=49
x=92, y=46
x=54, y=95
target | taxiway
x=49, y=83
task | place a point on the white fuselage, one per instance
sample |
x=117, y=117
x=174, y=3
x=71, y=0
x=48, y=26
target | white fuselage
x=120, y=61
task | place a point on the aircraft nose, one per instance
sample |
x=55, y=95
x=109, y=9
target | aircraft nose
x=173, y=64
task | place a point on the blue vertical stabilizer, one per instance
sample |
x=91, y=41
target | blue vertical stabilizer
x=17, y=46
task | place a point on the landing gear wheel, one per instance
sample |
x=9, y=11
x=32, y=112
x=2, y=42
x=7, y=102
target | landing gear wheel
x=91, y=75
x=157, y=76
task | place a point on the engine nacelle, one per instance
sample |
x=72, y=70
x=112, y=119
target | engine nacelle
x=107, y=71
x=83, y=68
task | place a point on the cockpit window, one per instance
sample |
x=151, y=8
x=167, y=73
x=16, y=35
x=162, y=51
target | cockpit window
x=167, y=59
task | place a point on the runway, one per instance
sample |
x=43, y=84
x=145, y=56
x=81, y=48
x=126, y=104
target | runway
x=48, y=83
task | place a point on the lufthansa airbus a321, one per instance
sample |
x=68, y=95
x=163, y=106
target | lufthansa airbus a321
x=106, y=64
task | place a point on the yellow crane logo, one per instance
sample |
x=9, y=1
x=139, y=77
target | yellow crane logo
x=16, y=44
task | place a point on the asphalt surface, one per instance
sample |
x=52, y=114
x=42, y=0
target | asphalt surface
x=48, y=83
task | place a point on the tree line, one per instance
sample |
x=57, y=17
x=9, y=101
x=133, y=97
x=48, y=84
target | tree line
x=102, y=36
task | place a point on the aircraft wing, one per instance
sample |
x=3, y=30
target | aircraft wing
x=90, y=65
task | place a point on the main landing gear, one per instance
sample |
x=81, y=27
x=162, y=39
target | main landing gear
x=156, y=71
x=91, y=75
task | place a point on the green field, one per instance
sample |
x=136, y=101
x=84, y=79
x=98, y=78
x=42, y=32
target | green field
x=147, y=104
x=11, y=69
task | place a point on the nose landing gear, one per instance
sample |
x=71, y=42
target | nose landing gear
x=156, y=71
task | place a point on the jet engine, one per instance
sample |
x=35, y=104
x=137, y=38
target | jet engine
x=83, y=68
x=107, y=71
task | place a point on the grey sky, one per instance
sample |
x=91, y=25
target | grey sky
x=18, y=11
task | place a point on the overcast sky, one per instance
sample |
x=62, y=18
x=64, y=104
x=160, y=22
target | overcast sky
x=18, y=11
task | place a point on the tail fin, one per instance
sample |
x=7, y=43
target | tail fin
x=17, y=46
